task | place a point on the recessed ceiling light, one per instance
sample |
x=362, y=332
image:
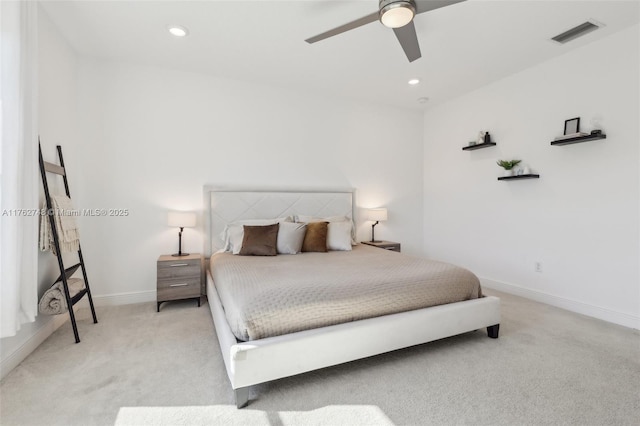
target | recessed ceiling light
x=178, y=30
x=423, y=100
x=414, y=81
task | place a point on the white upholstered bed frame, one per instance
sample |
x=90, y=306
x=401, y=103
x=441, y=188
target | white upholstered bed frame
x=263, y=360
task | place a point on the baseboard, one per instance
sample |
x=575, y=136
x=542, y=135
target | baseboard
x=119, y=299
x=615, y=317
x=49, y=325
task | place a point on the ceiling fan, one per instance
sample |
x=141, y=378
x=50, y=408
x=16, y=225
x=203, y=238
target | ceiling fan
x=396, y=14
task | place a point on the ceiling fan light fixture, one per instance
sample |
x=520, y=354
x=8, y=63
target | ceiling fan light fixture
x=396, y=13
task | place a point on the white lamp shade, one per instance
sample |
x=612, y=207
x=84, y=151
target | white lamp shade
x=377, y=214
x=182, y=219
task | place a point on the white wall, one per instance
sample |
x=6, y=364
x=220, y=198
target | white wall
x=57, y=74
x=581, y=218
x=151, y=138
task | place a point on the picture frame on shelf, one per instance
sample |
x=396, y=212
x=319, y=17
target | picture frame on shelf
x=572, y=126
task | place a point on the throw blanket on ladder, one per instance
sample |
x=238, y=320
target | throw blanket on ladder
x=53, y=301
x=64, y=218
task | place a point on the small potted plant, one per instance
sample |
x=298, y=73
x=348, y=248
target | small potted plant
x=508, y=166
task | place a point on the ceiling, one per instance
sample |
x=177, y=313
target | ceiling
x=464, y=46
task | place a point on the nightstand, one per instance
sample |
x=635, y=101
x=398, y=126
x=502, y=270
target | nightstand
x=179, y=278
x=387, y=245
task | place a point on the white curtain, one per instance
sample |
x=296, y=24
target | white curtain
x=18, y=165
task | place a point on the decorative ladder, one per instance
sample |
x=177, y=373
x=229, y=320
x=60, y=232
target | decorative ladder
x=65, y=273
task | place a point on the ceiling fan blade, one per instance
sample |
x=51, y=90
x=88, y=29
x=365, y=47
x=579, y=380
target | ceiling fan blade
x=427, y=5
x=344, y=28
x=409, y=41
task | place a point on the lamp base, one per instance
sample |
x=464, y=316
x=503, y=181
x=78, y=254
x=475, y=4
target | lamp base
x=180, y=254
x=373, y=234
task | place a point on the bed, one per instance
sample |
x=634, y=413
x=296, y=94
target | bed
x=259, y=340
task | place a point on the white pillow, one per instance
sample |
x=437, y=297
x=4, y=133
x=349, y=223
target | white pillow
x=290, y=237
x=339, y=236
x=233, y=233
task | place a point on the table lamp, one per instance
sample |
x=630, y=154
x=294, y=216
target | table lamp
x=181, y=220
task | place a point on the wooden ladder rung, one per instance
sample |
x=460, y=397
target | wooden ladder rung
x=54, y=168
x=76, y=298
x=68, y=272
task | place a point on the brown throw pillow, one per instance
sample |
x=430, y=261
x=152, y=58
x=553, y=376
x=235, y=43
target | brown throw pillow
x=316, y=237
x=260, y=240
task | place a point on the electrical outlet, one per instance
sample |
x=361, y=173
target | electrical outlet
x=537, y=266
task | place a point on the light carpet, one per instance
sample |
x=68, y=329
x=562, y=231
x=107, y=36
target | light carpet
x=139, y=367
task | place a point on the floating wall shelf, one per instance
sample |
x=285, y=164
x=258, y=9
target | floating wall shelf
x=529, y=176
x=579, y=139
x=479, y=146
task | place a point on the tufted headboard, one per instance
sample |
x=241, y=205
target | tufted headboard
x=224, y=205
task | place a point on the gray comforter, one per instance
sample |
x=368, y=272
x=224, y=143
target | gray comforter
x=275, y=295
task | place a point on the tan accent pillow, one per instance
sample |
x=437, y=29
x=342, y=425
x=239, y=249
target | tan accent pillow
x=260, y=240
x=316, y=237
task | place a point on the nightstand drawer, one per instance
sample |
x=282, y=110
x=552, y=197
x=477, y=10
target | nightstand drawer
x=178, y=289
x=178, y=269
x=173, y=282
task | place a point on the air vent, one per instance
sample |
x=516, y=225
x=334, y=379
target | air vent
x=575, y=32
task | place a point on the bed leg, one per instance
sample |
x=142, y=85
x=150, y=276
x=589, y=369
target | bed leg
x=493, y=330
x=242, y=397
